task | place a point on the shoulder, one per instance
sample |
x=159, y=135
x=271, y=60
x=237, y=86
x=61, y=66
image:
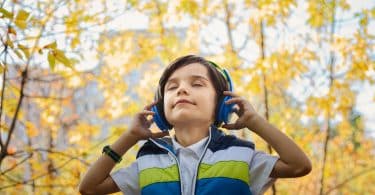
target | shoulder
x=149, y=147
x=222, y=141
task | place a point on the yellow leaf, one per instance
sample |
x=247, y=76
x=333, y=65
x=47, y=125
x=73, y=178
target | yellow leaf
x=9, y=43
x=22, y=15
x=75, y=41
x=51, y=60
x=21, y=19
x=29, y=149
x=191, y=7
x=5, y=14
x=18, y=53
x=32, y=132
x=60, y=56
x=52, y=45
x=25, y=50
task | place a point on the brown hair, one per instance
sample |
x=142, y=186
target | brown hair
x=219, y=82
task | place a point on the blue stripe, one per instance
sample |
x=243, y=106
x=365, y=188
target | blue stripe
x=165, y=188
x=222, y=186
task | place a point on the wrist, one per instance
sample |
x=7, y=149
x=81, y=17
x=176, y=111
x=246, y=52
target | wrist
x=252, y=123
x=125, y=142
x=130, y=137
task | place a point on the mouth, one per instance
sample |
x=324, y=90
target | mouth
x=183, y=101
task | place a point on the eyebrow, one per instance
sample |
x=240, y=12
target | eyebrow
x=192, y=76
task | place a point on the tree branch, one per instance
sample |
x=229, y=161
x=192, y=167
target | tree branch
x=328, y=117
x=349, y=179
x=46, y=97
x=16, y=165
x=228, y=17
x=4, y=149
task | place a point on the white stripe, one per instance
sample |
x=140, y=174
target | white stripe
x=236, y=153
x=155, y=160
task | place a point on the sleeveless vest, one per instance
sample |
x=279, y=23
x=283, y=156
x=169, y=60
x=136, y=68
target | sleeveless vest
x=223, y=167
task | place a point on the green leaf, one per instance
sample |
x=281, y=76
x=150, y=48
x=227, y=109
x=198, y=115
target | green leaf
x=5, y=13
x=21, y=19
x=51, y=60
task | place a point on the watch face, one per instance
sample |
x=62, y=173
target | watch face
x=105, y=149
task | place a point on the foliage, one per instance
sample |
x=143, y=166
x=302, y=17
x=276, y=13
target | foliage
x=56, y=113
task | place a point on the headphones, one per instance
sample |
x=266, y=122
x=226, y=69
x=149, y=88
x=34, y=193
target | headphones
x=224, y=110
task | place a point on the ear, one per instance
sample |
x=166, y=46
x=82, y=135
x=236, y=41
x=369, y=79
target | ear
x=159, y=117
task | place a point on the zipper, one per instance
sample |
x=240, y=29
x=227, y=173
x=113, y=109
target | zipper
x=171, y=153
x=199, y=162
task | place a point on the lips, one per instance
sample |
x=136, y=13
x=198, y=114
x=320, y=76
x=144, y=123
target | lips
x=183, y=101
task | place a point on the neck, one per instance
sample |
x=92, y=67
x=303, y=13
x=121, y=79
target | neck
x=187, y=135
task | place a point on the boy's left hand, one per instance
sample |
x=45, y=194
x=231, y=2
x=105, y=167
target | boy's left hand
x=245, y=111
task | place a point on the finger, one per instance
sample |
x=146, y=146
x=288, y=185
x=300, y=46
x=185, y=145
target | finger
x=159, y=134
x=149, y=106
x=234, y=100
x=149, y=122
x=231, y=93
x=231, y=126
x=236, y=110
x=145, y=115
x=147, y=112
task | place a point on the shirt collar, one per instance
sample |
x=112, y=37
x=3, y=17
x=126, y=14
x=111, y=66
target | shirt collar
x=197, y=148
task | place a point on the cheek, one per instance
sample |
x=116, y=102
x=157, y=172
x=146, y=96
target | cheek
x=210, y=103
x=166, y=103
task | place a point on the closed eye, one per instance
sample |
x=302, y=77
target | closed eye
x=197, y=85
x=171, y=88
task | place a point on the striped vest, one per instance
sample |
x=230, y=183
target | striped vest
x=223, y=167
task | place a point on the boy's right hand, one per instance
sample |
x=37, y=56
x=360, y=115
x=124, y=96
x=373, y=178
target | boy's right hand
x=139, y=128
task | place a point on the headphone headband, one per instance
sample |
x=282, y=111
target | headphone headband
x=223, y=72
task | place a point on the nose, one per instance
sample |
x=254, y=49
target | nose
x=182, y=89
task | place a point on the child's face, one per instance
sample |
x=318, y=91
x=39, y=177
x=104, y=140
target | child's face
x=189, y=96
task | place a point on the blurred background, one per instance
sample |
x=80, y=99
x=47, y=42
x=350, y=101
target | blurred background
x=73, y=74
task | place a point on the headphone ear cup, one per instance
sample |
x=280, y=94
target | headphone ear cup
x=225, y=110
x=159, y=119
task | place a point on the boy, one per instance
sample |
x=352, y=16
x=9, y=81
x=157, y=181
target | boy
x=194, y=97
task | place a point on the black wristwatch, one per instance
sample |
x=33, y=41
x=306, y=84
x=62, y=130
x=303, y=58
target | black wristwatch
x=115, y=157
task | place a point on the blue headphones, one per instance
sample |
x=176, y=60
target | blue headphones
x=224, y=110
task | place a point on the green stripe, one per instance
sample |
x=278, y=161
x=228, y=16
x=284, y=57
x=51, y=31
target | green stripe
x=156, y=175
x=230, y=169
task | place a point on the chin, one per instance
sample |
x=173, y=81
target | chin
x=186, y=120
